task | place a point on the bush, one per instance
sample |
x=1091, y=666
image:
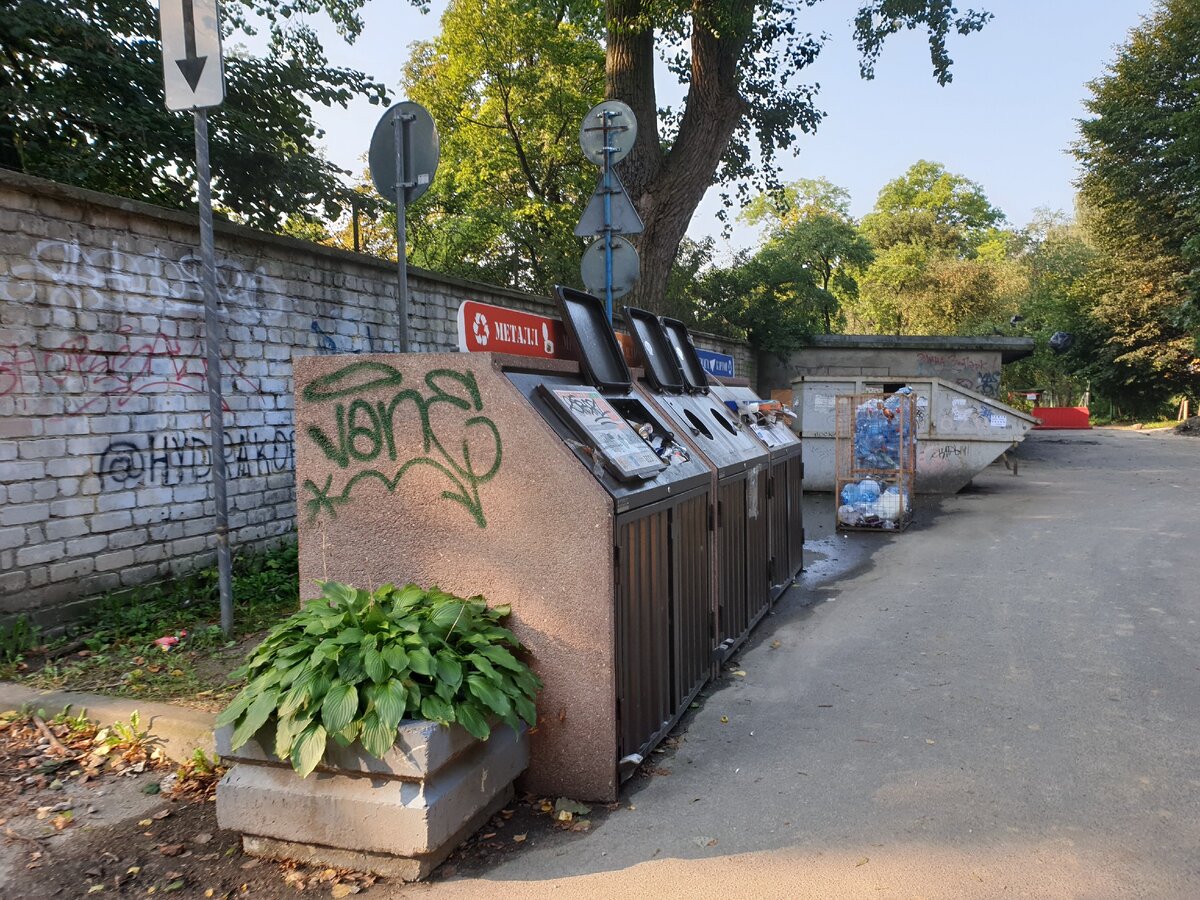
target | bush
x=353, y=663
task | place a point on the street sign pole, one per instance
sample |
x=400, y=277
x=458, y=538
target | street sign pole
x=401, y=124
x=212, y=342
x=607, y=115
x=194, y=79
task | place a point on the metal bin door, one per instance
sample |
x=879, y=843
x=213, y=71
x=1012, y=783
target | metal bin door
x=692, y=619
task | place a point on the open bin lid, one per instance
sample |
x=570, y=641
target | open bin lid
x=662, y=364
x=694, y=376
x=600, y=355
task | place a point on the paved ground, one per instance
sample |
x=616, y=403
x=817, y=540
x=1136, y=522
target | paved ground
x=1003, y=701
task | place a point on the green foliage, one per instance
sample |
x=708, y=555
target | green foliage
x=508, y=86
x=942, y=263
x=1140, y=155
x=351, y=664
x=81, y=101
x=17, y=637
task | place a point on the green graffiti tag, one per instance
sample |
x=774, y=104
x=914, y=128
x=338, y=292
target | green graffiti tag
x=363, y=432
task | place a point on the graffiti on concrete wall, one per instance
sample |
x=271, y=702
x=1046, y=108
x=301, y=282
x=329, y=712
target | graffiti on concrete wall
x=330, y=344
x=377, y=431
x=182, y=457
x=972, y=372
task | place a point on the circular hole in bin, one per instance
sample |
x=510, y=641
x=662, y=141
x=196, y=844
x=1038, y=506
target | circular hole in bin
x=697, y=424
x=722, y=419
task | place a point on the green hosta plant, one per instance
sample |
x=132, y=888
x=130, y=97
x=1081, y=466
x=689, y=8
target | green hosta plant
x=351, y=664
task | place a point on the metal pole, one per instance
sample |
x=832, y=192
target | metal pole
x=401, y=124
x=212, y=344
x=608, y=247
x=354, y=222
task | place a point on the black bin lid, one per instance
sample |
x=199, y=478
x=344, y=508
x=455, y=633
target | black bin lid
x=662, y=365
x=694, y=376
x=600, y=355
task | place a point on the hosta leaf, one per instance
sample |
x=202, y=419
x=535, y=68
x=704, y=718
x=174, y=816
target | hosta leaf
x=339, y=706
x=526, y=708
x=421, y=661
x=501, y=657
x=494, y=698
x=349, y=734
x=256, y=716
x=307, y=750
x=338, y=592
x=449, y=669
x=468, y=715
x=349, y=636
x=377, y=738
x=390, y=702
x=503, y=611
x=437, y=709
x=350, y=668
x=286, y=729
x=485, y=666
x=239, y=705
x=444, y=689
x=394, y=656
x=377, y=669
x=446, y=615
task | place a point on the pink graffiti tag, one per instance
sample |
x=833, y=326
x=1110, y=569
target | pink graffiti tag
x=137, y=365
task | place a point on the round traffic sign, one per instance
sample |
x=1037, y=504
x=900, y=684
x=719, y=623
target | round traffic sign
x=625, y=267
x=420, y=149
x=622, y=131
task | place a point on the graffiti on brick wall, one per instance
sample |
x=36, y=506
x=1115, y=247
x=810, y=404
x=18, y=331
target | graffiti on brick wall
x=330, y=344
x=971, y=372
x=377, y=431
x=182, y=457
x=90, y=374
x=118, y=362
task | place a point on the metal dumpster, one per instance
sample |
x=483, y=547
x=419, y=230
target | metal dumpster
x=678, y=386
x=959, y=432
x=661, y=492
x=785, y=490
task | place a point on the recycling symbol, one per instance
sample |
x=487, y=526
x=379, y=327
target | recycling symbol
x=481, y=329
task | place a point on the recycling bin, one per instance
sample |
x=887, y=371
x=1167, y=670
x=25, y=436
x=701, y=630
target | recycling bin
x=675, y=381
x=553, y=486
x=768, y=421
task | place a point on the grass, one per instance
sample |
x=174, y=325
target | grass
x=113, y=649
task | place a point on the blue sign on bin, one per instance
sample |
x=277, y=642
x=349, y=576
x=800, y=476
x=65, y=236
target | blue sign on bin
x=719, y=364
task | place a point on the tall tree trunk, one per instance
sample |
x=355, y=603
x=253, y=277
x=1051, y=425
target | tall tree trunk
x=667, y=187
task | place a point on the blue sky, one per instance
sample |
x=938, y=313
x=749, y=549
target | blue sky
x=1006, y=121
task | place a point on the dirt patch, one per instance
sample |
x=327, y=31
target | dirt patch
x=1189, y=427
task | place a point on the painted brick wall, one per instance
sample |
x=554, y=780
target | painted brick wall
x=104, y=470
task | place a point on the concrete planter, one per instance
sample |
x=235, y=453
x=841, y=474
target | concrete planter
x=399, y=816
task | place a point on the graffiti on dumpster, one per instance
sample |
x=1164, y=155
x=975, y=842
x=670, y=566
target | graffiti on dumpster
x=379, y=430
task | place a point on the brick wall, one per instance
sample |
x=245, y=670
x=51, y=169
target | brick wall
x=104, y=470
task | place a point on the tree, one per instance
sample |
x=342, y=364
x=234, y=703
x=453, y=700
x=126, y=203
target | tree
x=81, y=101
x=740, y=62
x=508, y=87
x=1140, y=155
x=810, y=228
x=942, y=263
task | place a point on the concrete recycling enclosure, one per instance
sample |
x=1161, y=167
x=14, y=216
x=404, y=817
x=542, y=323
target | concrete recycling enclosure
x=959, y=432
x=970, y=362
x=433, y=468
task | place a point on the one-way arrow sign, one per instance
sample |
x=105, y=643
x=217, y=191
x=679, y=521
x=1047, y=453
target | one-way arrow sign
x=191, y=42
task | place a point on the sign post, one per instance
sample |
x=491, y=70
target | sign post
x=193, y=79
x=403, y=159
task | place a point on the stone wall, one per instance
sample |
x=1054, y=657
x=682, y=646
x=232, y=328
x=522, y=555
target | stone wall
x=105, y=479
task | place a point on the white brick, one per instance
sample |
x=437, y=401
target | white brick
x=109, y=424
x=23, y=471
x=111, y=521
x=87, y=546
x=43, y=553
x=124, y=499
x=68, y=466
x=47, y=449
x=56, y=529
x=106, y=562
x=11, y=537
x=13, y=427
x=75, y=506
x=130, y=537
x=23, y=515
x=74, y=569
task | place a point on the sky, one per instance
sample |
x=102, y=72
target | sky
x=1006, y=121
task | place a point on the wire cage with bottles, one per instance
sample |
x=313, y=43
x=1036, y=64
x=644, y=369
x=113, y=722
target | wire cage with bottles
x=876, y=460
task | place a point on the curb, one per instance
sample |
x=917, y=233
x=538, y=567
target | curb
x=180, y=730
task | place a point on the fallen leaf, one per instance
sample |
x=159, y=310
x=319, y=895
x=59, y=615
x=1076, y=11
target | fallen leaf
x=151, y=788
x=490, y=834
x=344, y=890
x=520, y=838
x=133, y=870
x=724, y=720
x=250, y=863
x=173, y=886
x=202, y=838
x=161, y=814
x=775, y=645
x=928, y=741
x=862, y=862
x=571, y=806
x=740, y=673
x=96, y=889
x=711, y=843
x=170, y=849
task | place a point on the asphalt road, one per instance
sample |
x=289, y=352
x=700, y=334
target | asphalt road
x=1002, y=701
